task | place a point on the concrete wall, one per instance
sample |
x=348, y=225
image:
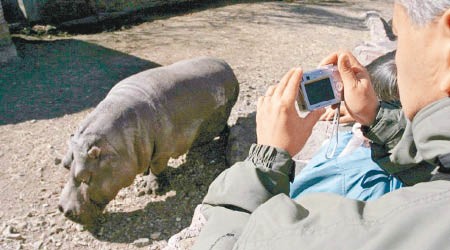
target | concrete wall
x=7, y=49
x=123, y=5
x=57, y=11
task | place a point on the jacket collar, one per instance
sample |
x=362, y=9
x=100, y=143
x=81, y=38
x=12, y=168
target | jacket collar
x=427, y=137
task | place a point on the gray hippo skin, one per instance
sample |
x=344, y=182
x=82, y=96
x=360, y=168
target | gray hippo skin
x=144, y=120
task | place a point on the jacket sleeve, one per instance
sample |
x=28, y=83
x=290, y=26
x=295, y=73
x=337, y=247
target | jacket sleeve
x=388, y=128
x=385, y=134
x=239, y=190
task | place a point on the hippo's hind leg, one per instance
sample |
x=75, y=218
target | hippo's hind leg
x=215, y=125
x=151, y=180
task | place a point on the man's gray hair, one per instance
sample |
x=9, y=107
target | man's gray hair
x=422, y=12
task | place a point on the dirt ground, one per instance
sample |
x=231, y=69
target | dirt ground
x=45, y=95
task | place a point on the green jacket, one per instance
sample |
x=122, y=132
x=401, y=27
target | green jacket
x=393, y=145
x=248, y=207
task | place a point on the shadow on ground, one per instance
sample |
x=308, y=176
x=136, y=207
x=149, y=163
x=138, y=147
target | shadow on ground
x=136, y=17
x=242, y=136
x=300, y=13
x=297, y=14
x=311, y=14
x=54, y=78
x=310, y=11
x=188, y=183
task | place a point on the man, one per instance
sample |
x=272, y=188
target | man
x=247, y=206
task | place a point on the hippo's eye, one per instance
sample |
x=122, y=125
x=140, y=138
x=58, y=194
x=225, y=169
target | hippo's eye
x=83, y=175
x=85, y=179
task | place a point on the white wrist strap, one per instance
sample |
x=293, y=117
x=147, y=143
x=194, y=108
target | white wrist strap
x=334, y=131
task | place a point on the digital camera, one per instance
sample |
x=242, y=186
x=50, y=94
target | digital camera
x=319, y=88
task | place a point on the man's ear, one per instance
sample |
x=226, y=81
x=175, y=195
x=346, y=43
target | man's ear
x=444, y=24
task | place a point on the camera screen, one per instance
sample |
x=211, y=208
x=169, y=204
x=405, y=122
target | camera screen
x=319, y=91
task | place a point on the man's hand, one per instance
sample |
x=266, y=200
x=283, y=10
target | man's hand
x=345, y=117
x=359, y=96
x=277, y=121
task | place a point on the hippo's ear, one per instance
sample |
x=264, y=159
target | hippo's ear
x=94, y=152
x=68, y=158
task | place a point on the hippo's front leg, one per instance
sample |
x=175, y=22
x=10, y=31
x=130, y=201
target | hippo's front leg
x=151, y=180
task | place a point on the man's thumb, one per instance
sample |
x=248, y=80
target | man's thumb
x=345, y=70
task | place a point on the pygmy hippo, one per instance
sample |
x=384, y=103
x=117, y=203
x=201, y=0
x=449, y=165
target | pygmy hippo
x=144, y=120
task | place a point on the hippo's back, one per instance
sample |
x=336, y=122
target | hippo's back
x=190, y=99
x=184, y=82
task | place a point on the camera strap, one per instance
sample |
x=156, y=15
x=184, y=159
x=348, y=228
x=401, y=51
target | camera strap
x=334, y=132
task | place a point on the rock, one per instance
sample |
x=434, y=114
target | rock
x=43, y=29
x=41, y=172
x=52, y=222
x=38, y=244
x=83, y=243
x=186, y=237
x=158, y=245
x=79, y=228
x=187, y=243
x=101, y=231
x=8, y=51
x=57, y=161
x=382, y=40
x=155, y=236
x=22, y=225
x=15, y=236
x=142, y=242
x=242, y=136
x=11, y=233
x=56, y=230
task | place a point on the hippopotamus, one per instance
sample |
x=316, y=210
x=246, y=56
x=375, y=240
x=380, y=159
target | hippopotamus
x=143, y=121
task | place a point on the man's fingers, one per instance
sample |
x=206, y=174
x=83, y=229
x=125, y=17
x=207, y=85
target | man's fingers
x=331, y=115
x=331, y=59
x=290, y=91
x=270, y=90
x=334, y=57
x=324, y=116
x=280, y=87
x=313, y=117
x=353, y=61
x=345, y=70
x=260, y=102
